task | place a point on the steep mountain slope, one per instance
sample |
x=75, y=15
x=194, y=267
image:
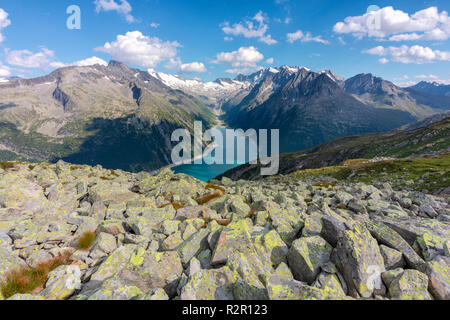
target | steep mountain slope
x=432, y=87
x=310, y=108
x=428, y=140
x=110, y=115
x=384, y=94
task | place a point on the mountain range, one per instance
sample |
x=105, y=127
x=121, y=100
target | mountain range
x=122, y=118
x=433, y=88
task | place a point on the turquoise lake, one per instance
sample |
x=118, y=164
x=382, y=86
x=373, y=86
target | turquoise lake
x=206, y=172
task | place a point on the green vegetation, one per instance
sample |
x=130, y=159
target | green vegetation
x=29, y=279
x=431, y=174
x=86, y=240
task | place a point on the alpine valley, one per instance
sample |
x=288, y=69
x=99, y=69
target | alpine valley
x=122, y=118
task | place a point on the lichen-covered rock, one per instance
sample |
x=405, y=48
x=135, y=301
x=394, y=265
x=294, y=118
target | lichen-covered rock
x=104, y=244
x=149, y=270
x=272, y=245
x=284, y=272
x=392, y=258
x=169, y=227
x=250, y=273
x=193, y=245
x=431, y=246
x=111, y=266
x=410, y=285
x=154, y=294
x=360, y=261
x=171, y=242
x=215, y=284
x=330, y=283
x=306, y=256
x=438, y=271
x=332, y=229
x=282, y=289
x=389, y=276
x=114, y=227
x=392, y=239
x=313, y=225
x=231, y=239
x=62, y=283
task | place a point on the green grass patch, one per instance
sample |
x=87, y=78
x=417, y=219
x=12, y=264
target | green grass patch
x=28, y=280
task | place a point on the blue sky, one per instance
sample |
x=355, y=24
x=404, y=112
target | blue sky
x=402, y=41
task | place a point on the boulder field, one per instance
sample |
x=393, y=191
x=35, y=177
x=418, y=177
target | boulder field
x=174, y=237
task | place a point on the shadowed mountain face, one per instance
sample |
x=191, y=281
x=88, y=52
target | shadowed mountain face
x=310, y=108
x=114, y=116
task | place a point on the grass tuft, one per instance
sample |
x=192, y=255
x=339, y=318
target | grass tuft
x=86, y=240
x=30, y=279
x=7, y=165
x=175, y=205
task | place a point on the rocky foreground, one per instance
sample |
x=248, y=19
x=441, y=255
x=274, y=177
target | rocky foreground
x=174, y=237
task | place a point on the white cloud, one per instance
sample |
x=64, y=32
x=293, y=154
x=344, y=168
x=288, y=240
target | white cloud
x=304, y=37
x=342, y=41
x=414, y=54
x=154, y=25
x=137, y=49
x=123, y=8
x=269, y=61
x=4, y=22
x=43, y=59
x=228, y=38
x=243, y=60
x=396, y=25
x=425, y=76
x=383, y=60
x=90, y=62
x=4, y=71
x=256, y=27
x=193, y=67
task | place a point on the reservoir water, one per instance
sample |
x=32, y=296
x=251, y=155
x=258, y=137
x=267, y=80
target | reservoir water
x=206, y=172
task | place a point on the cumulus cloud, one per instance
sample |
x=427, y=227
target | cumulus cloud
x=137, y=49
x=43, y=59
x=255, y=27
x=193, y=67
x=90, y=62
x=397, y=25
x=414, y=54
x=243, y=60
x=154, y=25
x=4, y=22
x=123, y=8
x=383, y=60
x=304, y=37
x=270, y=61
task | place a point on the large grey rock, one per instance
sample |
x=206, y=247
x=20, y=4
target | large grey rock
x=438, y=271
x=410, y=285
x=215, y=284
x=359, y=259
x=306, y=256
